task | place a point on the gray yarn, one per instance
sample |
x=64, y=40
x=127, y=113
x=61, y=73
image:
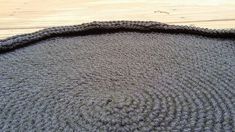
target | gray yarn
x=119, y=81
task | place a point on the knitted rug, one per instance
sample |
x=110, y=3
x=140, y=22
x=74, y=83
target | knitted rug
x=118, y=76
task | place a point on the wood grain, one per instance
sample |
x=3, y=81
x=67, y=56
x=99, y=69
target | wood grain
x=25, y=16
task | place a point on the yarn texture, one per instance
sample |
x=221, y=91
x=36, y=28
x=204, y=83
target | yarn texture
x=118, y=76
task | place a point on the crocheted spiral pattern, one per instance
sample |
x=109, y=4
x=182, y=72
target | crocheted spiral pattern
x=118, y=81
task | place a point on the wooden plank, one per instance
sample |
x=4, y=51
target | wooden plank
x=26, y=16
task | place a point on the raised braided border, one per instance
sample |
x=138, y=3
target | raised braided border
x=17, y=41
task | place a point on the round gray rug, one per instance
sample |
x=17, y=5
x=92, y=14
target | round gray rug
x=118, y=76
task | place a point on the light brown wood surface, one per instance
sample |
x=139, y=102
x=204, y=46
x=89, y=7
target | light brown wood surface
x=25, y=16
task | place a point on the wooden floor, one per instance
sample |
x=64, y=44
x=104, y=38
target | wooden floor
x=24, y=16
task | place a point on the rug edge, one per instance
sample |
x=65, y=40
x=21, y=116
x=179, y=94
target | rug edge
x=100, y=27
